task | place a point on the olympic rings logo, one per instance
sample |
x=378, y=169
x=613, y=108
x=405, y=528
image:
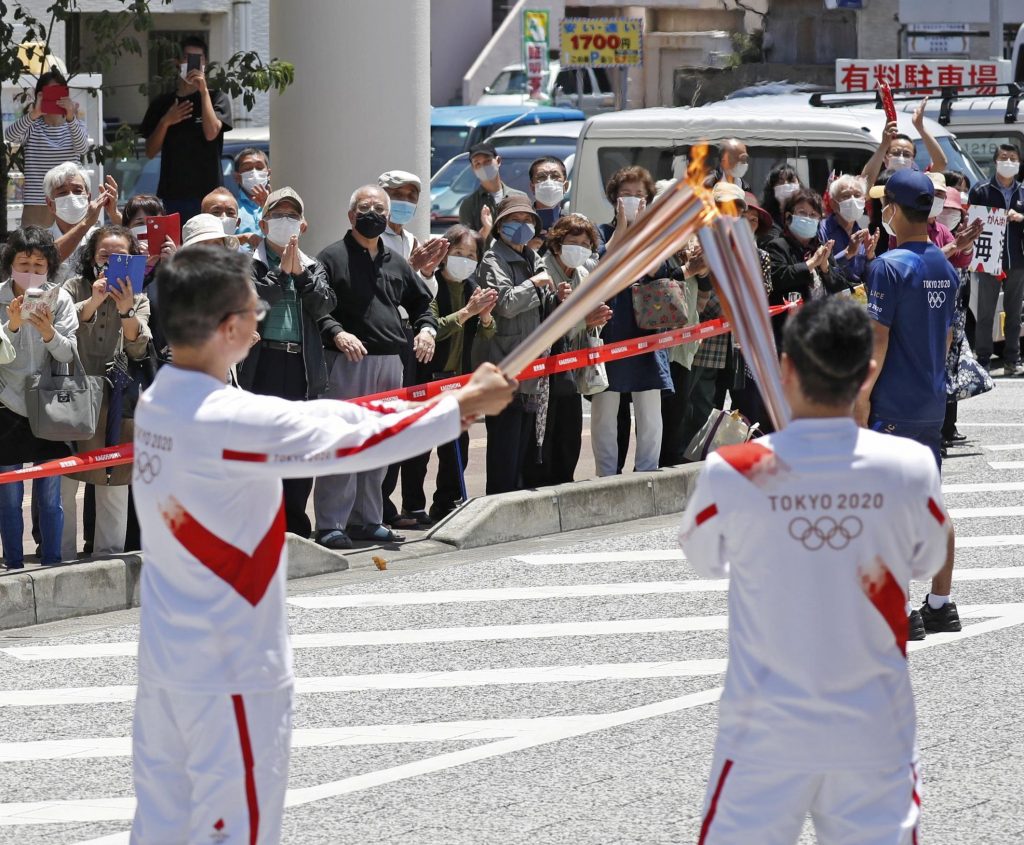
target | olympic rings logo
x=936, y=298
x=147, y=467
x=825, y=531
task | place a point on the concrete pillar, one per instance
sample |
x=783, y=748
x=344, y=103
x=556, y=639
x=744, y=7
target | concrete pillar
x=360, y=104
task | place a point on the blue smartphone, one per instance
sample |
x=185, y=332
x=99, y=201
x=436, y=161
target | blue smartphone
x=121, y=266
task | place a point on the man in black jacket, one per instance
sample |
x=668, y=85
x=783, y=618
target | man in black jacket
x=288, y=361
x=364, y=337
x=1003, y=191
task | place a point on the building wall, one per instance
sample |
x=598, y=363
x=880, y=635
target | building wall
x=459, y=30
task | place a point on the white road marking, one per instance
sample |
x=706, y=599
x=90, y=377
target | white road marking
x=642, y=555
x=988, y=425
x=406, y=636
x=982, y=513
x=984, y=487
x=1006, y=464
x=987, y=541
x=404, y=680
x=1004, y=447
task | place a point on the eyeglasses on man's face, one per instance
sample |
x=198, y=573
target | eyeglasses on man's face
x=259, y=310
x=900, y=154
x=367, y=205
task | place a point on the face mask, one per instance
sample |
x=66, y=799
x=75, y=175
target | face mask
x=574, y=255
x=632, y=206
x=785, y=190
x=183, y=71
x=402, y=212
x=897, y=163
x=851, y=209
x=280, y=230
x=740, y=170
x=517, y=233
x=28, y=280
x=1007, y=169
x=549, y=192
x=937, y=205
x=254, y=178
x=229, y=224
x=72, y=208
x=950, y=219
x=370, y=224
x=459, y=268
x=99, y=270
x=803, y=227
x=887, y=225
x=140, y=231
x=964, y=200
x=486, y=172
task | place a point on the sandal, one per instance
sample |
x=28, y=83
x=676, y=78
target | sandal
x=374, y=533
x=333, y=538
x=403, y=520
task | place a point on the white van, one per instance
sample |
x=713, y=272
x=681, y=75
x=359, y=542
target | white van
x=776, y=128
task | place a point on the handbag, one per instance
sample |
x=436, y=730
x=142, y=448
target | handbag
x=131, y=376
x=722, y=428
x=593, y=378
x=63, y=407
x=659, y=305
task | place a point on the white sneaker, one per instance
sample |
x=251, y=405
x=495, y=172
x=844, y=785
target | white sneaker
x=1013, y=370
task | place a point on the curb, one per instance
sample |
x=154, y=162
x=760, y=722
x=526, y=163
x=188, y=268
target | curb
x=100, y=586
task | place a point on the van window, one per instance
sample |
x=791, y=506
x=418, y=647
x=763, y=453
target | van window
x=445, y=143
x=603, y=84
x=958, y=160
x=657, y=160
x=567, y=79
x=982, y=147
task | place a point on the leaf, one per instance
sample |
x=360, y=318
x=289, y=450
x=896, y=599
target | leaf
x=380, y=563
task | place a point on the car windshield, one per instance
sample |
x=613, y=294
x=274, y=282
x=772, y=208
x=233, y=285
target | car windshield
x=977, y=150
x=513, y=82
x=446, y=142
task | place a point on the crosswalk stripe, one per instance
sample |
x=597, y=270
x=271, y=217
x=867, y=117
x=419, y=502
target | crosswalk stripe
x=481, y=633
x=983, y=487
x=1006, y=464
x=1003, y=447
x=983, y=513
x=602, y=557
x=988, y=425
x=514, y=675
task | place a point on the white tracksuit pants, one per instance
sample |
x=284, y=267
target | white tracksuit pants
x=748, y=802
x=210, y=768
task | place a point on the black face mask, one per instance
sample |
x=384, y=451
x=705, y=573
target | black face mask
x=370, y=224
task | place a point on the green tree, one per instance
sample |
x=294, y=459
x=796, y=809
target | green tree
x=114, y=34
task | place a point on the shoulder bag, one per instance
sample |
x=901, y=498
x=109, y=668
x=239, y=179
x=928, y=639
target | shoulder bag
x=659, y=305
x=593, y=378
x=722, y=428
x=63, y=407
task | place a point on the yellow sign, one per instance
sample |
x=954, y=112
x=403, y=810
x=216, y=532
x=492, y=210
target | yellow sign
x=602, y=42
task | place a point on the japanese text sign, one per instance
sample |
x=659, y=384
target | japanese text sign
x=536, y=25
x=602, y=42
x=980, y=77
x=988, y=248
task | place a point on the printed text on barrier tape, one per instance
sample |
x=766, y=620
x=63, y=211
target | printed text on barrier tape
x=123, y=454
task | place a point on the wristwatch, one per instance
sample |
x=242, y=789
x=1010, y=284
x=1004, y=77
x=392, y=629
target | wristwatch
x=429, y=330
x=127, y=315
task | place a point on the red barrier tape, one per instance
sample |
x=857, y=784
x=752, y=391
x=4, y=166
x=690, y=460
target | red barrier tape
x=123, y=454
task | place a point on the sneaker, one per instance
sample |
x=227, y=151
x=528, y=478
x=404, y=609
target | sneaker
x=943, y=620
x=1012, y=370
x=917, y=629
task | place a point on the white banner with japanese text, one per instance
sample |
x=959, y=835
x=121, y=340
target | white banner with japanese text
x=981, y=77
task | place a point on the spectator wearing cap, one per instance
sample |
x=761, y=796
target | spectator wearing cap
x=252, y=175
x=525, y=294
x=478, y=209
x=364, y=338
x=289, y=360
x=1004, y=190
x=854, y=245
x=911, y=299
x=207, y=229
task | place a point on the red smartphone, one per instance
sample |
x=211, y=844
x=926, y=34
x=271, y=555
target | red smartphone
x=887, y=104
x=158, y=228
x=52, y=93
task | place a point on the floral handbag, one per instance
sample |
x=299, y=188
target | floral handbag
x=659, y=305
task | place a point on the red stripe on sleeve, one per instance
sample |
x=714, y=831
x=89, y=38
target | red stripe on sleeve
x=706, y=514
x=714, y=803
x=381, y=436
x=251, y=457
x=889, y=600
x=936, y=511
x=250, y=775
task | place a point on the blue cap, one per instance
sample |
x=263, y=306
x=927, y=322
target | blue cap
x=910, y=189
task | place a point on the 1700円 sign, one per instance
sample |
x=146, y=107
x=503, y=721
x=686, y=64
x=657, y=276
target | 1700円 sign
x=602, y=42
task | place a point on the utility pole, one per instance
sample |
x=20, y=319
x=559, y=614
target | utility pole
x=995, y=15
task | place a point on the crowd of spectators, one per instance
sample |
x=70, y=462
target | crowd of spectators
x=379, y=309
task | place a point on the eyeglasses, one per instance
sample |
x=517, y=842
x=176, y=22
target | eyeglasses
x=284, y=215
x=900, y=154
x=259, y=310
x=379, y=207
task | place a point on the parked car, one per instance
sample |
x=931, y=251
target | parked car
x=141, y=175
x=564, y=133
x=455, y=181
x=558, y=88
x=776, y=128
x=454, y=129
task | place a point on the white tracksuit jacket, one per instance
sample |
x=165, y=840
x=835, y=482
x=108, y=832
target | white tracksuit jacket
x=820, y=529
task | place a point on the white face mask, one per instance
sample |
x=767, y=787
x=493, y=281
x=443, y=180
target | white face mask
x=950, y=218
x=280, y=230
x=631, y=206
x=785, y=190
x=486, y=172
x=574, y=255
x=851, y=209
x=887, y=224
x=1008, y=169
x=459, y=268
x=253, y=178
x=549, y=192
x=937, y=205
x=899, y=163
x=229, y=224
x=72, y=208
x=740, y=170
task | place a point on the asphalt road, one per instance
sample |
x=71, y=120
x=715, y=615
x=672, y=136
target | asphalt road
x=553, y=691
